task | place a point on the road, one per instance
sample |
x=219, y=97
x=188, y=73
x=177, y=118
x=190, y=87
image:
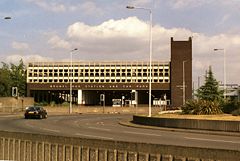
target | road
x=107, y=127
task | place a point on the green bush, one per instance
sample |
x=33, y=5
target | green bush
x=65, y=103
x=41, y=104
x=236, y=112
x=230, y=106
x=201, y=107
x=52, y=103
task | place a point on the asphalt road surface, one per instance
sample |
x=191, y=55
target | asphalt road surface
x=107, y=127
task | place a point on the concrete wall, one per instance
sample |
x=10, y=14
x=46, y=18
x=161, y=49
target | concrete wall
x=228, y=126
x=12, y=104
x=101, y=109
x=33, y=147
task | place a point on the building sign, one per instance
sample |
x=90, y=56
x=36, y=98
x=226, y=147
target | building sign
x=97, y=86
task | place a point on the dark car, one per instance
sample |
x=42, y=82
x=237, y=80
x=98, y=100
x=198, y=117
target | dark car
x=35, y=112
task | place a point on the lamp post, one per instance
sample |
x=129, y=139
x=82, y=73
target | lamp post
x=7, y=18
x=184, y=86
x=70, y=80
x=224, y=70
x=150, y=55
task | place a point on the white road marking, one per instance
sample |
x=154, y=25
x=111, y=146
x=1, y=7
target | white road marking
x=46, y=129
x=4, y=116
x=94, y=136
x=129, y=132
x=224, y=141
x=97, y=128
x=101, y=123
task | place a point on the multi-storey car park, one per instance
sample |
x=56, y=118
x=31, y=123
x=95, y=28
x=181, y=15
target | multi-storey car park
x=50, y=81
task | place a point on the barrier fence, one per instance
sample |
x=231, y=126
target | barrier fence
x=38, y=147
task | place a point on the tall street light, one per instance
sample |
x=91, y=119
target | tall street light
x=7, y=18
x=71, y=80
x=184, y=83
x=150, y=55
x=224, y=70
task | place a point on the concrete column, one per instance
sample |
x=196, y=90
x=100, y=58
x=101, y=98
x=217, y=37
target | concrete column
x=135, y=99
x=80, y=97
x=2, y=147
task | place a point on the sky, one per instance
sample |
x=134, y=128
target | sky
x=104, y=30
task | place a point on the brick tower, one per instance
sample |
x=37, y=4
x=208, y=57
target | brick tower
x=181, y=60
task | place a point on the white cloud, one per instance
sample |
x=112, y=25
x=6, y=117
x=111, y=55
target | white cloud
x=26, y=58
x=224, y=19
x=179, y=4
x=56, y=42
x=20, y=45
x=90, y=8
x=48, y=5
x=140, y=2
x=130, y=27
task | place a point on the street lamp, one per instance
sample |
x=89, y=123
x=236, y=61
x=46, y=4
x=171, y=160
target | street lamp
x=150, y=55
x=184, y=86
x=70, y=80
x=7, y=18
x=224, y=70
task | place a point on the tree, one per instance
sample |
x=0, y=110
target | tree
x=210, y=90
x=209, y=98
x=5, y=87
x=12, y=76
x=18, y=77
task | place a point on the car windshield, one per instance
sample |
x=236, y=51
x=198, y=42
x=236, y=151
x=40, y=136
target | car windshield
x=34, y=108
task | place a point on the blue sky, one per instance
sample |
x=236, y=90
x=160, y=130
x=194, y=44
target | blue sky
x=46, y=30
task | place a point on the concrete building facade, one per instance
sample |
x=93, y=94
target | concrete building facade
x=127, y=81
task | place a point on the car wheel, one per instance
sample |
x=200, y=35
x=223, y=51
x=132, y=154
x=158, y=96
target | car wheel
x=40, y=116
